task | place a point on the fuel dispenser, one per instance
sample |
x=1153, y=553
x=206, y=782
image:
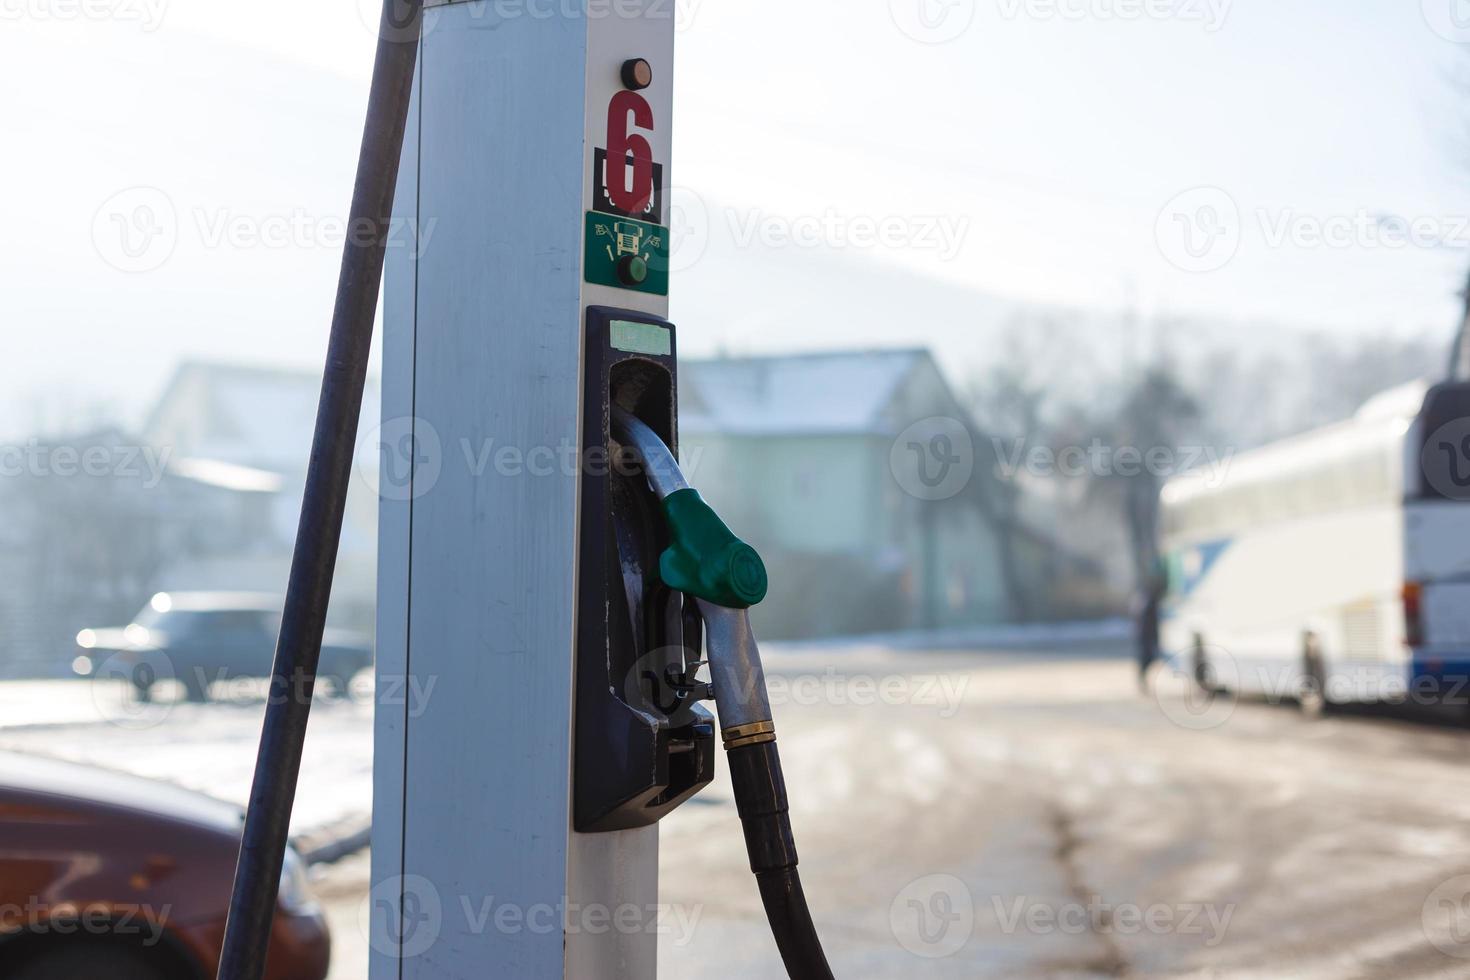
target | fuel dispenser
x=644, y=742
x=665, y=590
x=548, y=775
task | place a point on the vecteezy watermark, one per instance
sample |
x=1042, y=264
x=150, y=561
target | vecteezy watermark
x=1450, y=19
x=34, y=458
x=1362, y=229
x=402, y=916
x=933, y=916
x=1445, y=917
x=693, y=223
x=933, y=21
x=933, y=459
x=657, y=678
x=661, y=678
x=139, y=687
x=122, y=686
x=689, y=228
x=1096, y=915
x=144, y=924
x=945, y=693
x=411, y=693
x=1199, y=230
x=404, y=458
x=147, y=14
x=1201, y=687
x=1098, y=459
x=401, y=458
x=1210, y=14
x=400, y=21
x=399, y=25
x=1275, y=683
x=298, y=228
x=941, y=234
x=1201, y=690
x=1445, y=460
x=136, y=230
x=405, y=916
x=139, y=229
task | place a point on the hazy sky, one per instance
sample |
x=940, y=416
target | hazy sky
x=1252, y=159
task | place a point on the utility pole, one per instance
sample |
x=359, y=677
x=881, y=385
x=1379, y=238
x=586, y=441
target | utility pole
x=537, y=130
x=1460, y=349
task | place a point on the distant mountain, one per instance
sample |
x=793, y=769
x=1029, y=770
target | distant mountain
x=1257, y=379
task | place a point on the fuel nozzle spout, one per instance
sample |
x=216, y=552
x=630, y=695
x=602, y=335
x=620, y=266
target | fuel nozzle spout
x=726, y=576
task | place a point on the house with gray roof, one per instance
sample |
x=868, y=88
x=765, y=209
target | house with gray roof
x=240, y=436
x=802, y=454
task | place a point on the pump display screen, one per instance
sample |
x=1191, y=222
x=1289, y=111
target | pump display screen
x=641, y=338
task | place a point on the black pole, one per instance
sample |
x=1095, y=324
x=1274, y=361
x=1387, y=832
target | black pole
x=278, y=764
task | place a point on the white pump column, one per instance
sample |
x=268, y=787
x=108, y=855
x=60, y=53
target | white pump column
x=506, y=188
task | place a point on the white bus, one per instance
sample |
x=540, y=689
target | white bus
x=1333, y=566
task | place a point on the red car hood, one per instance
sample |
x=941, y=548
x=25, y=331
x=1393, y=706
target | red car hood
x=31, y=774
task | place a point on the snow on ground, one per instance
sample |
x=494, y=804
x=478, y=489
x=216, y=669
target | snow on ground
x=998, y=813
x=206, y=747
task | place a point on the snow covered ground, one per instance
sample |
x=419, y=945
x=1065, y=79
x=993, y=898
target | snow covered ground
x=210, y=748
x=995, y=813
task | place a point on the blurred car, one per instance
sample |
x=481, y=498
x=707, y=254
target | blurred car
x=108, y=875
x=198, y=638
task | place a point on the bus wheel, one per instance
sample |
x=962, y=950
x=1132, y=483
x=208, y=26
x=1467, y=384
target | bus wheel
x=1312, y=696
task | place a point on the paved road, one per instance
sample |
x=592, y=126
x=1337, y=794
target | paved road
x=1024, y=814
x=1057, y=824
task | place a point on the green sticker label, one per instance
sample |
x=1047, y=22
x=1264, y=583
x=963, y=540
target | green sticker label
x=627, y=254
x=641, y=338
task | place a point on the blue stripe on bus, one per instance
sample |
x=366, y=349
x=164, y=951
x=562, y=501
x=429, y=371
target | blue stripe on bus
x=1438, y=668
x=1181, y=586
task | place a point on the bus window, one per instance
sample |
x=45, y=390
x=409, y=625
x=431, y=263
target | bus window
x=1444, y=460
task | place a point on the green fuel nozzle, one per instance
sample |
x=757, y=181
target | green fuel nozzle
x=706, y=559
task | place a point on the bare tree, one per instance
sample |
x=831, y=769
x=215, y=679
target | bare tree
x=91, y=545
x=1015, y=399
x=1460, y=350
x=1155, y=411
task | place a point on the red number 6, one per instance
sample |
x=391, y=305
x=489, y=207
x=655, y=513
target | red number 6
x=629, y=192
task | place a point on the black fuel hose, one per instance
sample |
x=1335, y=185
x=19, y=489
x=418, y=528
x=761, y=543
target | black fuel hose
x=760, y=799
x=749, y=733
